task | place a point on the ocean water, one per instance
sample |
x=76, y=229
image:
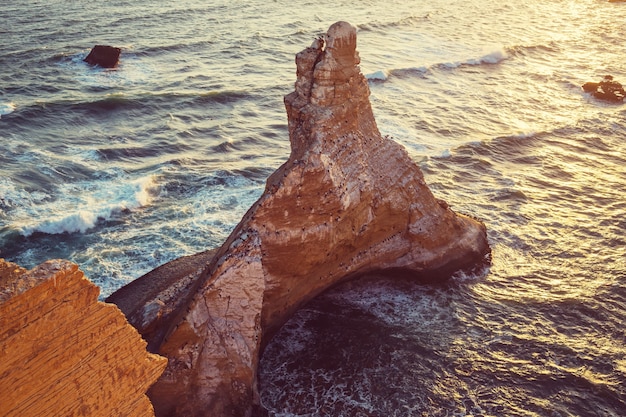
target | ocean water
x=122, y=170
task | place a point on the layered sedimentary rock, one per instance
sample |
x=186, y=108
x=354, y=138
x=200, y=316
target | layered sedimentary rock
x=63, y=353
x=347, y=202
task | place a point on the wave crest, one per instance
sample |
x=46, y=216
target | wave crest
x=101, y=204
x=490, y=58
x=493, y=57
x=6, y=108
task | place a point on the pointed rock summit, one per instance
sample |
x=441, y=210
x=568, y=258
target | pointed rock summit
x=347, y=202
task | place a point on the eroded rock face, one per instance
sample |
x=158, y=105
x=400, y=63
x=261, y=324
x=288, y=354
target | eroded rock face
x=157, y=298
x=347, y=202
x=63, y=353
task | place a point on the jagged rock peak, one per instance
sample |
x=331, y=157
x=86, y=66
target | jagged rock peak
x=330, y=62
x=339, y=59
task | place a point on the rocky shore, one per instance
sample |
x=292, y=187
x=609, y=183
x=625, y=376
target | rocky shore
x=346, y=203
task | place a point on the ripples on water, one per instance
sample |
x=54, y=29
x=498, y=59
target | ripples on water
x=122, y=170
x=540, y=334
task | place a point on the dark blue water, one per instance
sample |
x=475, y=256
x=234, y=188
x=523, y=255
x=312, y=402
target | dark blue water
x=122, y=170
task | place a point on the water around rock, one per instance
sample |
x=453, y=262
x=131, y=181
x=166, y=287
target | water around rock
x=347, y=202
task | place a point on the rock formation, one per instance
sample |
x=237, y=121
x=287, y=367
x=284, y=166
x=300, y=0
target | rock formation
x=152, y=301
x=347, y=202
x=607, y=89
x=104, y=56
x=63, y=353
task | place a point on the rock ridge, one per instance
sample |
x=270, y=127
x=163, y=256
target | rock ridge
x=347, y=202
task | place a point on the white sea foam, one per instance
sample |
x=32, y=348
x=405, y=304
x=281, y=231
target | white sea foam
x=380, y=75
x=448, y=57
x=6, y=108
x=130, y=70
x=524, y=135
x=471, y=276
x=494, y=56
x=86, y=204
x=13, y=197
x=397, y=306
x=75, y=222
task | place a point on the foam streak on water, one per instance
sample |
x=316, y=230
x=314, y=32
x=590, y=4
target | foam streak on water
x=121, y=170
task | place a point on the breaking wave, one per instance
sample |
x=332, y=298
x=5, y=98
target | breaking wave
x=90, y=204
x=6, y=108
x=494, y=57
x=490, y=58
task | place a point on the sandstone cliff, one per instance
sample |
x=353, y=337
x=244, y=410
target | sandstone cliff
x=63, y=353
x=347, y=202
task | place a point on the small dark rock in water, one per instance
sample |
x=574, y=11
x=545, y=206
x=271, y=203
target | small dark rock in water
x=103, y=55
x=607, y=89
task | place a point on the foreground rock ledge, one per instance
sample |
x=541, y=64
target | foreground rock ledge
x=347, y=202
x=63, y=353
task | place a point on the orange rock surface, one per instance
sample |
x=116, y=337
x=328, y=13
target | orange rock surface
x=64, y=353
x=347, y=202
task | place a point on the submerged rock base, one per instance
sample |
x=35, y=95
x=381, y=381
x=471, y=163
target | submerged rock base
x=63, y=353
x=347, y=202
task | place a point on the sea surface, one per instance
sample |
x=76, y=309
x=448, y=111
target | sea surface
x=121, y=170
